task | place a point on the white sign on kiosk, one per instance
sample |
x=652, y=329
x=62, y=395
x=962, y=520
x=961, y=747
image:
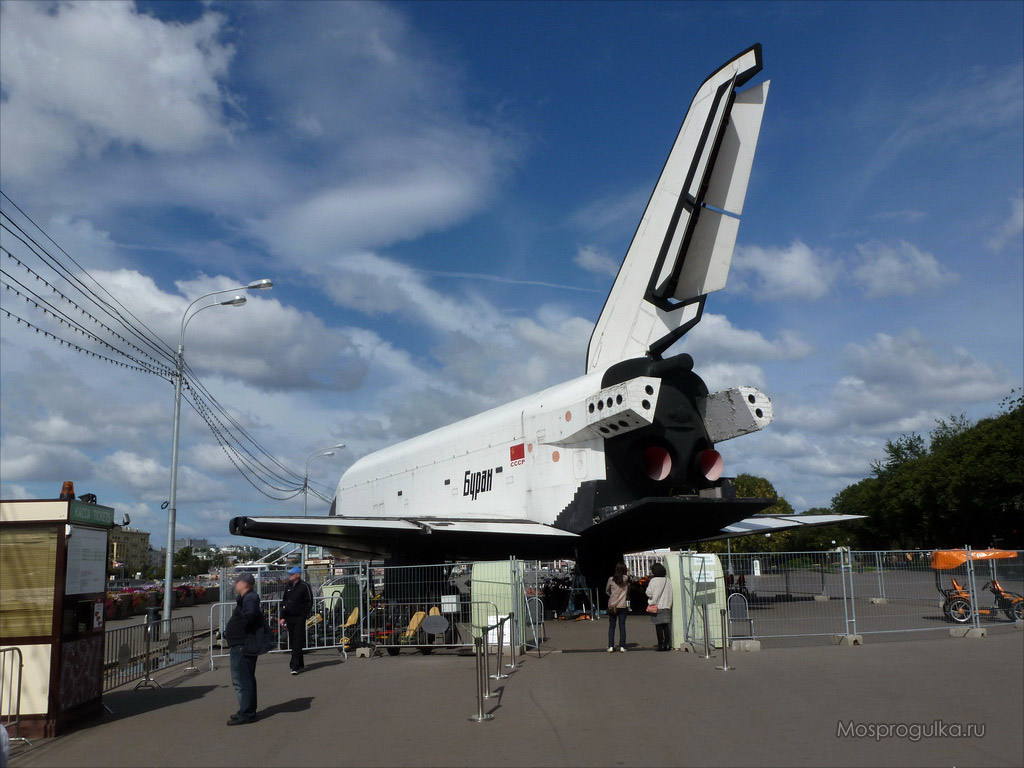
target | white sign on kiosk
x=87, y=561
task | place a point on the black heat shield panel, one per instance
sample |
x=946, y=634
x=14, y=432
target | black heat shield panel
x=420, y=546
x=676, y=521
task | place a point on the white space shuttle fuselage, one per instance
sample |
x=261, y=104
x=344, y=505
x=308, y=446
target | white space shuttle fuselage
x=620, y=459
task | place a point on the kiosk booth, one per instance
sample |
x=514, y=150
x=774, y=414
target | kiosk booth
x=53, y=572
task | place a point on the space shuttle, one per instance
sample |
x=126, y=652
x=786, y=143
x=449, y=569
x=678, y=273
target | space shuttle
x=622, y=459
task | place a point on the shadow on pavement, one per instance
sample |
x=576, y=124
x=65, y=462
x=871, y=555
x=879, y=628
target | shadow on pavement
x=321, y=664
x=300, y=704
x=128, y=703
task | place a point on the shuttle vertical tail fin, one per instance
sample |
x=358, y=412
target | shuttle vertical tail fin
x=683, y=246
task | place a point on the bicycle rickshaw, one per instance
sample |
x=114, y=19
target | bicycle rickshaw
x=957, y=605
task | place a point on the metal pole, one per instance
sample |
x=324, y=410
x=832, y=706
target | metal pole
x=172, y=502
x=487, y=666
x=305, y=505
x=481, y=673
x=147, y=681
x=881, y=578
x=512, y=663
x=972, y=586
x=499, y=675
x=852, y=627
x=724, y=666
x=707, y=639
x=192, y=645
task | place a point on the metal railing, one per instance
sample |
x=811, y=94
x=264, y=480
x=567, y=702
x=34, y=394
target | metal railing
x=136, y=652
x=329, y=626
x=849, y=593
x=481, y=645
x=12, y=666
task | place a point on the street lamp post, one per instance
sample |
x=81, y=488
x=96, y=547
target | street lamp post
x=305, y=487
x=179, y=369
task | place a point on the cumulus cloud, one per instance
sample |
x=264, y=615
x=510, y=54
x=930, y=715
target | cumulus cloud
x=900, y=383
x=793, y=272
x=265, y=343
x=716, y=339
x=1012, y=226
x=616, y=214
x=595, y=260
x=160, y=88
x=899, y=269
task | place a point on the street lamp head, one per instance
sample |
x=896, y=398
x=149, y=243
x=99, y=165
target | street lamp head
x=260, y=285
x=235, y=302
x=338, y=447
x=329, y=453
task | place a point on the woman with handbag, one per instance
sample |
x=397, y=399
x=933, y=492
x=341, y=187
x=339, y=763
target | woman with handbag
x=617, y=590
x=659, y=605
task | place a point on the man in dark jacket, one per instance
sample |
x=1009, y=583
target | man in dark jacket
x=296, y=607
x=245, y=621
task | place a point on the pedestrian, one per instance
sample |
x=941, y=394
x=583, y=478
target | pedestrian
x=659, y=605
x=240, y=632
x=296, y=607
x=617, y=590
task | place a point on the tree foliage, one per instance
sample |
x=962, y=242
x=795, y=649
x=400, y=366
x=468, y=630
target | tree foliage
x=962, y=485
x=965, y=487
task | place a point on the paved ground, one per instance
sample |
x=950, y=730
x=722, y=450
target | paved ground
x=778, y=707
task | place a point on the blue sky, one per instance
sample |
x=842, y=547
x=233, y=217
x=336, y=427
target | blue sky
x=441, y=192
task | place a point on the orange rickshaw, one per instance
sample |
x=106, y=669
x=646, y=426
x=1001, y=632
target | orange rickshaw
x=957, y=605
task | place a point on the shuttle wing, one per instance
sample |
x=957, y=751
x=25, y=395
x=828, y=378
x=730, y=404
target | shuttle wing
x=776, y=523
x=414, y=537
x=683, y=246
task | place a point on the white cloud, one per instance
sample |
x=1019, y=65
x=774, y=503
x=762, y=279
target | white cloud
x=265, y=343
x=716, y=339
x=1012, y=226
x=793, y=272
x=899, y=269
x=616, y=214
x=894, y=384
x=159, y=88
x=977, y=101
x=594, y=260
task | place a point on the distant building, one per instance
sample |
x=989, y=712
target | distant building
x=128, y=550
x=194, y=543
x=157, y=557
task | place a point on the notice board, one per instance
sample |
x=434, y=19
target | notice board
x=87, y=561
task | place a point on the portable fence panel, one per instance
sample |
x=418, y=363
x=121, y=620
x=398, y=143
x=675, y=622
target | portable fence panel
x=898, y=591
x=128, y=651
x=791, y=594
x=11, y=669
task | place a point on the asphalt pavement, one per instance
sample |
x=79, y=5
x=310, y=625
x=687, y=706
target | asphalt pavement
x=779, y=707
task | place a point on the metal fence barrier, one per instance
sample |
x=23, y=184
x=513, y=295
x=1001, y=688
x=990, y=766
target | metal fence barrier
x=135, y=652
x=11, y=667
x=773, y=595
x=329, y=626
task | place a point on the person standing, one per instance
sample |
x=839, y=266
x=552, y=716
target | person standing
x=659, y=605
x=296, y=607
x=240, y=632
x=617, y=590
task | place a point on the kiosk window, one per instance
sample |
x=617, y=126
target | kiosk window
x=29, y=557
